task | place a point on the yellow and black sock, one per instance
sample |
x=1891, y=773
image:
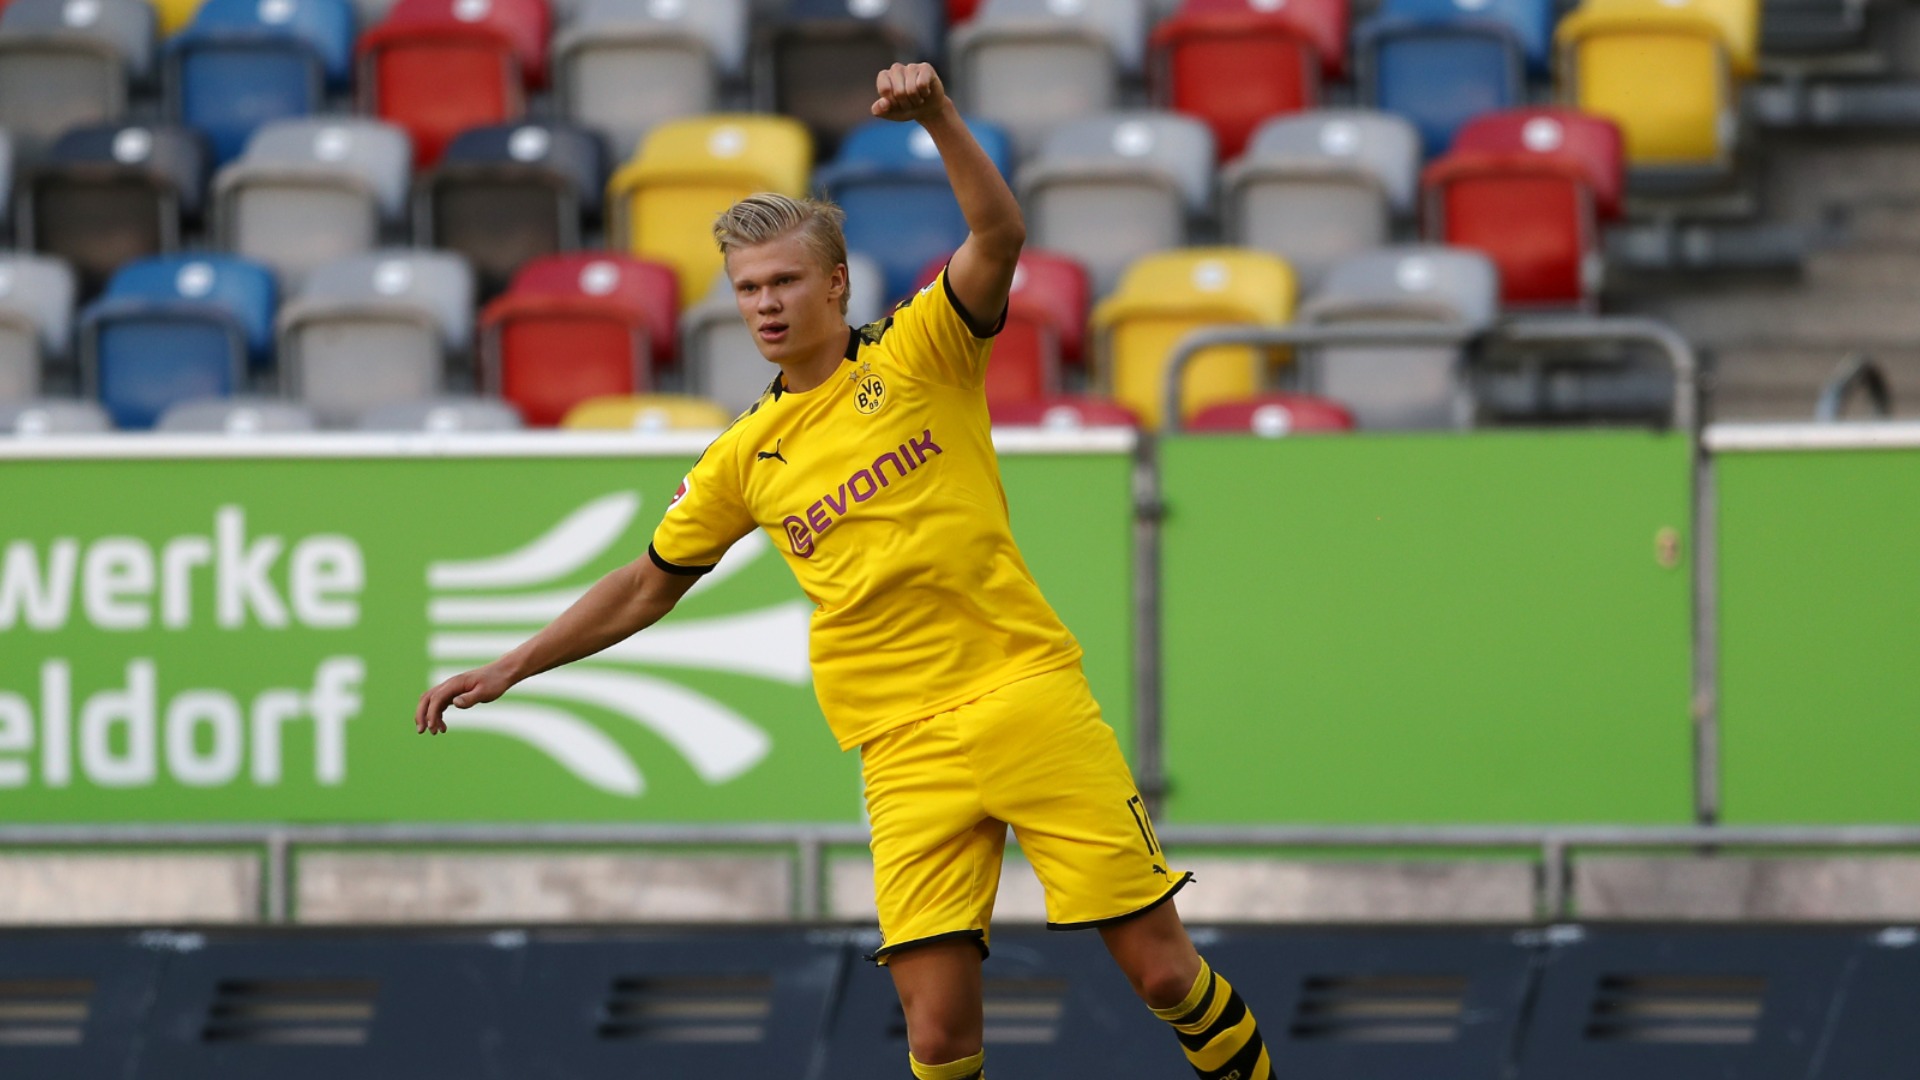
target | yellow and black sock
x=1217, y=1032
x=968, y=1068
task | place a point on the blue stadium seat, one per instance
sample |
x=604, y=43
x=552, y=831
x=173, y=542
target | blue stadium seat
x=174, y=329
x=242, y=63
x=900, y=208
x=1440, y=63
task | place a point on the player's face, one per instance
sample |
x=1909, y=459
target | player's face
x=789, y=301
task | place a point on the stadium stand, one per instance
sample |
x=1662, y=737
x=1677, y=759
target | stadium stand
x=443, y=416
x=1045, y=328
x=1235, y=63
x=1064, y=412
x=103, y=196
x=375, y=329
x=1273, y=416
x=820, y=56
x=575, y=327
x=900, y=210
x=244, y=63
x=647, y=412
x=1109, y=189
x=6, y=184
x=1031, y=65
x=623, y=66
x=438, y=67
x=1165, y=296
x=722, y=361
x=307, y=191
x=509, y=193
x=175, y=329
x=36, y=312
x=1440, y=63
x=53, y=416
x=1317, y=186
x=661, y=204
x=242, y=415
x=64, y=63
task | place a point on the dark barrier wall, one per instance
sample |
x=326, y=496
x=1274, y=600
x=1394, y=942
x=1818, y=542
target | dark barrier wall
x=1486, y=628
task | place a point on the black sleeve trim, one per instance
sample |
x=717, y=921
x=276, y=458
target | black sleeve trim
x=676, y=568
x=973, y=324
x=1134, y=914
x=979, y=938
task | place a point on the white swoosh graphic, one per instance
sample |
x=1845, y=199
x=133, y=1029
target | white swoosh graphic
x=719, y=743
x=579, y=747
x=501, y=610
x=576, y=541
x=745, y=550
x=770, y=643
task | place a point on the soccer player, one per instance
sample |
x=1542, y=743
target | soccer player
x=870, y=462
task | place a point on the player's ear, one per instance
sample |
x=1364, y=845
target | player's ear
x=837, y=282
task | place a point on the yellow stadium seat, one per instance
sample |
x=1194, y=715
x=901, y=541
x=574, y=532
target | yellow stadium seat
x=646, y=412
x=1164, y=297
x=173, y=15
x=687, y=172
x=1664, y=70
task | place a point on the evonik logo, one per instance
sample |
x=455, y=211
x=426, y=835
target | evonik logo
x=481, y=608
x=858, y=488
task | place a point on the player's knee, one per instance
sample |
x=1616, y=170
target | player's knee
x=936, y=1043
x=1162, y=983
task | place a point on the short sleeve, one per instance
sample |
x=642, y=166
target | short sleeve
x=706, y=517
x=934, y=334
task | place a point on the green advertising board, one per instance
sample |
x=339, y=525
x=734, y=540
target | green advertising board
x=1487, y=628
x=1819, y=596
x=207, y=637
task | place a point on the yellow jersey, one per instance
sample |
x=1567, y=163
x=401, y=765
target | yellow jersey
x=881, y=490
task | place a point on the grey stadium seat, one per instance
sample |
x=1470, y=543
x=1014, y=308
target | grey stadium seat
x=1318, y=186
x=622, y=66
x=374, y=329
x=311, y=190
x=36, y=320
x=1401, y=387
x=718, y=350
x=64, y=63
x=507, y=193
x=819, y=57
x=1030, y=65
x=236, y=416
x=443, y=415
x=1109, y=189
x=53, y=416
x=106, y=195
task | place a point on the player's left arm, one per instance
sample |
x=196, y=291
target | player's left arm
x=981, y=273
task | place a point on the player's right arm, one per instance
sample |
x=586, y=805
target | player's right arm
x=620, y=605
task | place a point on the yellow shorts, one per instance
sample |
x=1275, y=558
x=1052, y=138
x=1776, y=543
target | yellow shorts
x=1034, y=755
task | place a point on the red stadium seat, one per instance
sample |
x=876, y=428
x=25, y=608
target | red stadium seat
x=1274, y=415
x=958, y=11
x=1236, y=63
x=1530, y=189
x=439, y=67
x=1063, y=412
x=579, y=326
x=1046, y=327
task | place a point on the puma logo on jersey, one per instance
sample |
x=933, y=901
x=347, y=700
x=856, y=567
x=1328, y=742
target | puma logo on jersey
x=774, y=454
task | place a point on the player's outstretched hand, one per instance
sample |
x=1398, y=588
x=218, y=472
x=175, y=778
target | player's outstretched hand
x=464, y=690
x=909, y=92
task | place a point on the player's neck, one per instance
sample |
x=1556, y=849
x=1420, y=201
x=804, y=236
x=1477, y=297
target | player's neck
x=802, y=375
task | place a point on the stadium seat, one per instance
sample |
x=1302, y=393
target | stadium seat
x=1067, y=412
x=1109, y=189
x=1165, y=297
x=53, y=416
x=375, y=329
x=724, y=364
x=239, y=415
x=821, y=56
x=308, y=191
x=622, y=66
x=174, y=329
x=36, y=313
x=105, y=195
x=505, y=194
x=1031, y=65
x=1667, y=71
x=1530, y=188
x=1046, y=325
x=172, y=16
x=443, y=416
x=1235, y=63
x=1440, y=63
x=67, y=63
x=6, y=181
x=661, y=205
x=574, y=327
x=1273, y=416
x=647, y=412
x=959, y=11
x=900, y=208
x=439, y=67
x=1317, y=186
x=1408, y=386
x=244, y=63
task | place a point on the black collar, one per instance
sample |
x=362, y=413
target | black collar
x=779, y=384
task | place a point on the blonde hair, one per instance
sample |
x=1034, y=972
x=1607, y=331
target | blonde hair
x=768, y=216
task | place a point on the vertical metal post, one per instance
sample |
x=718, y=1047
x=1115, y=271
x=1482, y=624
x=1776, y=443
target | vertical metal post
x=1706, y=639
x=1555, y=898
x=279, y=903
x=812, y=854
x=1148, y=510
